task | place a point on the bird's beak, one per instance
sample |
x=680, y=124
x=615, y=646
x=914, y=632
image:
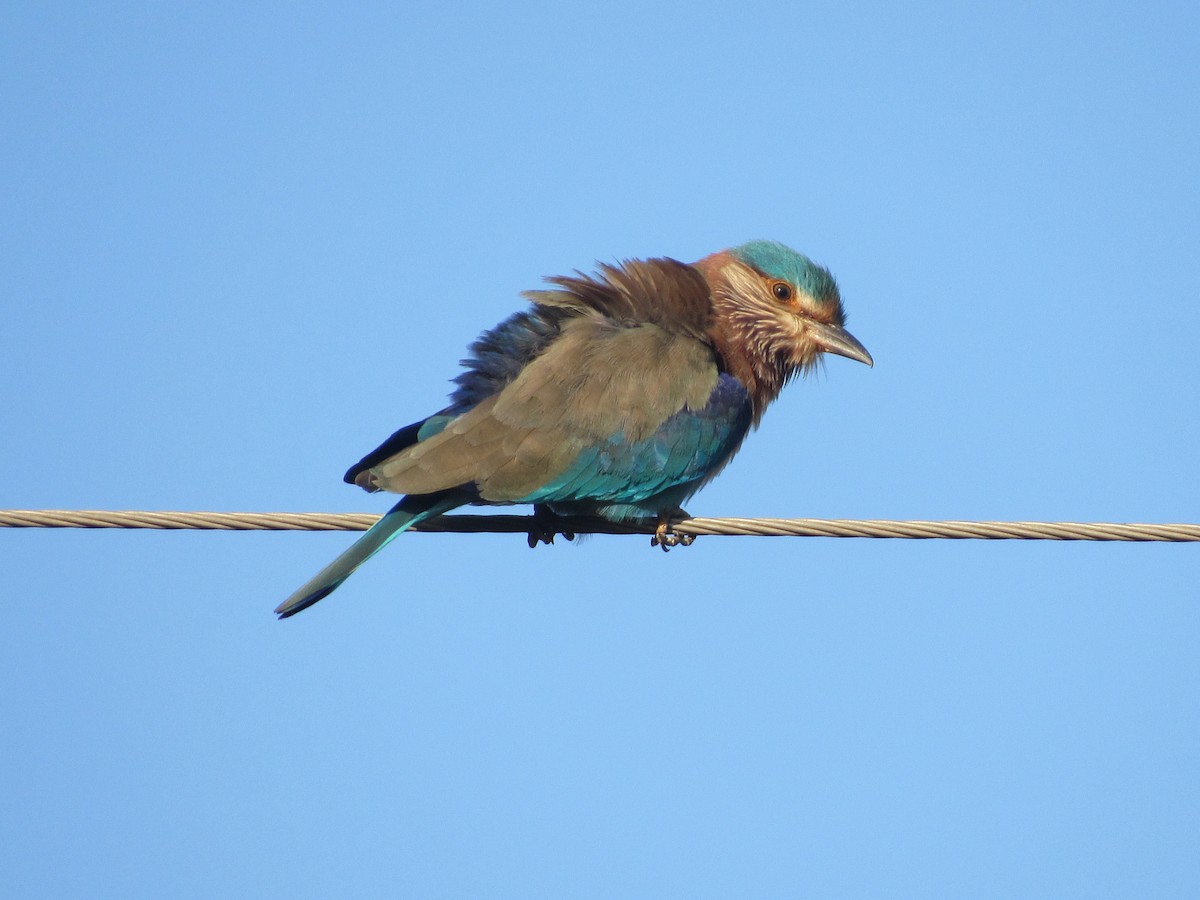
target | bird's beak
x=836, y=339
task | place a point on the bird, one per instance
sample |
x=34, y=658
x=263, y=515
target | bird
x=616, y=394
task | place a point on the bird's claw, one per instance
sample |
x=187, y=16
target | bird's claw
x=537, y=536
x=542, y=527
x=665, y=535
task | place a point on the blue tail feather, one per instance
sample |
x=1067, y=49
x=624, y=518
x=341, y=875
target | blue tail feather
x=401, y=517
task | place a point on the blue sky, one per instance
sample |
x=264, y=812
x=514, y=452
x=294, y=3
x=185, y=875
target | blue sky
x=244, y=242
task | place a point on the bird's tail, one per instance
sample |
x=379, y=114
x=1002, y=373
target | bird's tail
x=401, y=517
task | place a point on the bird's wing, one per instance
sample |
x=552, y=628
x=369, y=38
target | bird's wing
x=604, y=413
x=661, y=292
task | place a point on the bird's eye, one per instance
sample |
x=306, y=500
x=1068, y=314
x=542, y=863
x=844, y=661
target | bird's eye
x=782, y=291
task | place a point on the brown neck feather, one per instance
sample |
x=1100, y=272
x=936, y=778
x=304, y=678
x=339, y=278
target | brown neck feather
x=736, y=333
x=762, y=375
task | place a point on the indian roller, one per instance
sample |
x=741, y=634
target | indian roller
x=618, y=395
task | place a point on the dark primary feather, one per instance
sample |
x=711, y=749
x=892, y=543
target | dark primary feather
x=405, y=437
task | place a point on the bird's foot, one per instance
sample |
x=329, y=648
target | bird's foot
x=545, y=525
x=664, y=534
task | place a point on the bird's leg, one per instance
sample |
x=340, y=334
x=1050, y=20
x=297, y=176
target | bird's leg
x=664, y=534
x=544, y=525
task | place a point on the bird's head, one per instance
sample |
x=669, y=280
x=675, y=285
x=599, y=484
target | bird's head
x=775, y=312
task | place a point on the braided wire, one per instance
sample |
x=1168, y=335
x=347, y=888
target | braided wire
x=471, y=524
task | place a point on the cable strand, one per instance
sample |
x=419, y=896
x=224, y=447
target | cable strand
x=517, y=524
